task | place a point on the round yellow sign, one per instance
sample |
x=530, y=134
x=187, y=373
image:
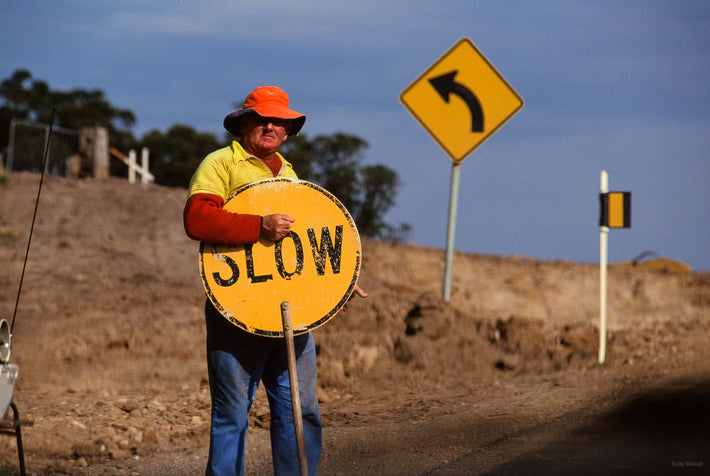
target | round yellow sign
x=315, y=267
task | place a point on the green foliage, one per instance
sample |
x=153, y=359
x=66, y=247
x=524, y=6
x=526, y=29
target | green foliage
x=300, y=152
x=24, y=97
x=368, y=192
x=379, y=184
x=175, y=155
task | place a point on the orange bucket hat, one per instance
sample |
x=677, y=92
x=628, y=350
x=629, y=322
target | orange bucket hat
x=266, y=101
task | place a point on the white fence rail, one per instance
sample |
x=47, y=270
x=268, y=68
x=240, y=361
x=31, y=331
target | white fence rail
x=131, y=162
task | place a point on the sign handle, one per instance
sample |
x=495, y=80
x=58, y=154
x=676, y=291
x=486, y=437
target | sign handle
x=293, y=383
x=603, y=259
x=450, y=232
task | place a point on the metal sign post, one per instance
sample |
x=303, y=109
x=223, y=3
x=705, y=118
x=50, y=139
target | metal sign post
x=451, y=229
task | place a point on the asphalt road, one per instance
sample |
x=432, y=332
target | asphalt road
x=664, y=432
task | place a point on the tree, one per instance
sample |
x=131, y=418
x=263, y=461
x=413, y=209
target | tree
x=176, y=154
x=333, y=162
x=299, y=151
x=379, y=187
x=16, y=102
x=336, y=159
x=26, y=98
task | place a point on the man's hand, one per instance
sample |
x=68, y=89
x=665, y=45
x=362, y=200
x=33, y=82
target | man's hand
x=356, y=290
x=276, y=226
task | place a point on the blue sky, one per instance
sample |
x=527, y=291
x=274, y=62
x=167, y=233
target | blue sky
x=615, y=85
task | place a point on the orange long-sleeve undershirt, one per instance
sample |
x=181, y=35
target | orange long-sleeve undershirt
x=205, y=219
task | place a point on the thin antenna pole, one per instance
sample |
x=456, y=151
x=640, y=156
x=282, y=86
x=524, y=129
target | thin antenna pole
x=34, y=216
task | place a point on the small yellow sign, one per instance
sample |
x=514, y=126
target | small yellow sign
x=461, y=100
x=615, y=209
x=314, y=268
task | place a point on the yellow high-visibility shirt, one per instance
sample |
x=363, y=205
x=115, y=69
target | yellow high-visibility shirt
x=226, y=170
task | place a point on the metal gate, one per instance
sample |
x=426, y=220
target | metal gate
x=27, y=142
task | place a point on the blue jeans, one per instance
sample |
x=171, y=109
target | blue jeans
x=236, y=362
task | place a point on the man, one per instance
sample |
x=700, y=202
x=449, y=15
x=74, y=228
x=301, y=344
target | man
x=237, y=360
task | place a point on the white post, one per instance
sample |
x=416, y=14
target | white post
x=603, y=259
x=132, y=166
x=144, y=165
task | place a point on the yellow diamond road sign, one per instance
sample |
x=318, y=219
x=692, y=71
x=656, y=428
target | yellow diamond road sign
x=461, y=100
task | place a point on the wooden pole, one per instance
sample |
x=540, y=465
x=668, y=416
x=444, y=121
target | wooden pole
x=93, y=142
x=293, y=381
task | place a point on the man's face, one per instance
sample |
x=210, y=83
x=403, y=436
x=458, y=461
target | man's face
x=262, y=136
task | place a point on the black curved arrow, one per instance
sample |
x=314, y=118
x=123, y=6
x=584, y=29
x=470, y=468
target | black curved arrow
x=445, y=86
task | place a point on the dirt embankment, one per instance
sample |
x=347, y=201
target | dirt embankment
x=109, y=338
